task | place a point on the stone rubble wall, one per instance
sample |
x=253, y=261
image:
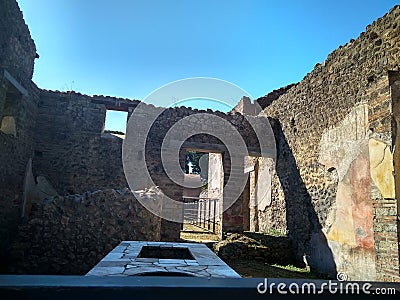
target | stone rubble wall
x=71, y=234
x=18, y=52
x=257, y=247
x=332, y=125
x=266, y=216
x=266, y=100
x=71, y=150
x=246, y=106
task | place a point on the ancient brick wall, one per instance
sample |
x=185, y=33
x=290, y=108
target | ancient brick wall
x=266, y=215
x=71, y=234
x=18, y=102
x=245, y=106
x=266, y=100
x=335, y=124
x=71, y=150
x=17, y=48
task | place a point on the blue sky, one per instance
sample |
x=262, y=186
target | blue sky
x=129, y=48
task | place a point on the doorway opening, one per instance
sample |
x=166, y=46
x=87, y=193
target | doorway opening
x=202, y=196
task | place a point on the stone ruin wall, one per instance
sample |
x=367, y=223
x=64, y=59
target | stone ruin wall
x=260, y=214
x=18, y=50
x=50, y=125
x=78, y=160
x=336, y=128
x=17, y=57
x=265, y=212
x=71, y=150
x=71, y=234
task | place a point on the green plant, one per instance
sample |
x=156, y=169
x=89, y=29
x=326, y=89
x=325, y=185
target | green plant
x=275, y=232
x=292, y=268
x=204, y=187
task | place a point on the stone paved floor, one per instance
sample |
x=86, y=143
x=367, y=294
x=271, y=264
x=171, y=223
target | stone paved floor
x=192, y=233
x=123, y=260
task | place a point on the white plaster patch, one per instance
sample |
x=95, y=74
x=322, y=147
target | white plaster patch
x=264, y=183
x=340, y=145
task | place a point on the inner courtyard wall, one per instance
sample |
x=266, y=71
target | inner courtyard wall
x=334, y=169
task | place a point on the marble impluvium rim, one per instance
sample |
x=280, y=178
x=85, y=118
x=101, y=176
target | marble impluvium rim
x=123, y=260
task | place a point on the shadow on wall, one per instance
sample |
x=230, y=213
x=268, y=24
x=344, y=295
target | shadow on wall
x=303, y=225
